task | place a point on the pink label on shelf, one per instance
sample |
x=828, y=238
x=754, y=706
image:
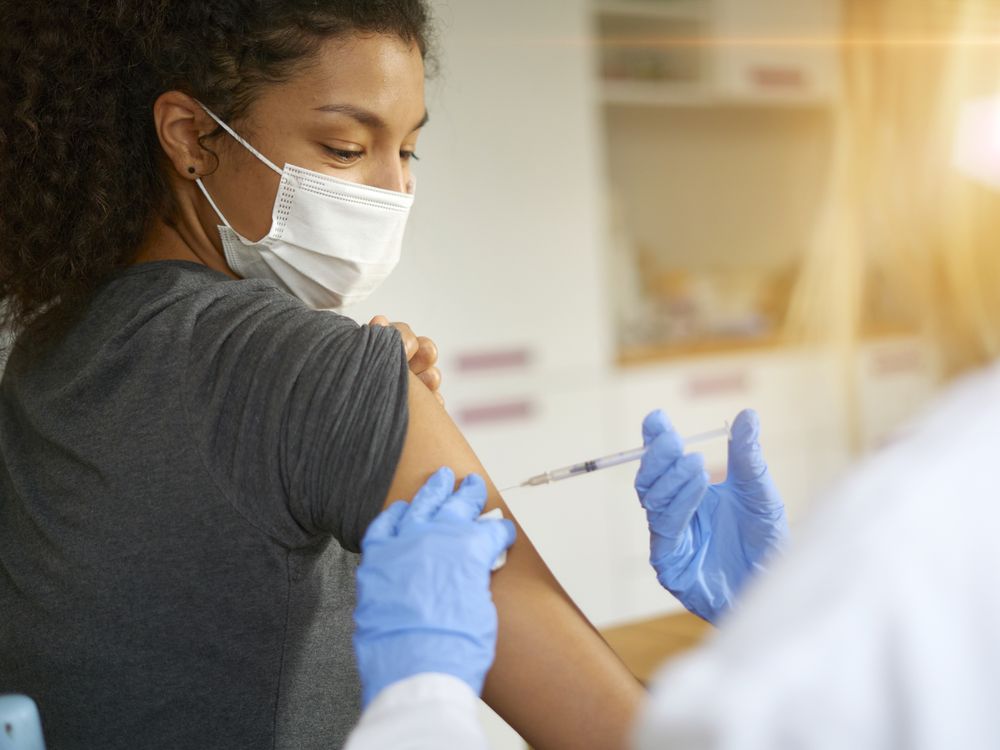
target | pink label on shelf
x=500, y=359
x=778, y=78
x=506, y=411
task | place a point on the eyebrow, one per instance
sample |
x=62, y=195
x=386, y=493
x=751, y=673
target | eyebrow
x=365, y=117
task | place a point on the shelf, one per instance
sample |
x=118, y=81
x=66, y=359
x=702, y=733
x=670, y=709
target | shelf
x=637, y=355
x=655, y=94
x=677, y=10
x=662, y=54
x=622, y=93
x=634, y=356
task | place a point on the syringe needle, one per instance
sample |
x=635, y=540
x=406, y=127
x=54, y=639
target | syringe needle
x=536, y=481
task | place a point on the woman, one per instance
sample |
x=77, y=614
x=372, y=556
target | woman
x=879, y=627
x=189, y=452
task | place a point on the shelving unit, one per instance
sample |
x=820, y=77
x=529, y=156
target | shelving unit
x=660, y=9
x=717, y=133
x=650, y=94
x=649, y=51
x=682, y=53
x=654, y=9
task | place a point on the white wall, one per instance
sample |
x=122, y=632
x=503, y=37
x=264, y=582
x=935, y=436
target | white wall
x=503, y=248
x=730, y=188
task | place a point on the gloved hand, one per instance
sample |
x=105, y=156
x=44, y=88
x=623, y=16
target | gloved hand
x=424, y=602
x=706, y=541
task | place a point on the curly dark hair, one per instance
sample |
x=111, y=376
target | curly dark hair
x=81, y=168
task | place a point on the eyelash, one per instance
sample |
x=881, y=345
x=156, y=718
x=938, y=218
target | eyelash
x=353, y=157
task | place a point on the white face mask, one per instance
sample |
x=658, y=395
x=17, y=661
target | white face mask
x=331, y=243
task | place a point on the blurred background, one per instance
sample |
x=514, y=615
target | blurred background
x=615, y=203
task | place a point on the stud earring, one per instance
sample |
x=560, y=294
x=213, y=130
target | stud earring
x=191, y=170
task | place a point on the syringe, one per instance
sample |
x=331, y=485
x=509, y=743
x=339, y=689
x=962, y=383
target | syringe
x=615, y=459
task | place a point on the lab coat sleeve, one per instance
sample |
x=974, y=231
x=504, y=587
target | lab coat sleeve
x=424, y=712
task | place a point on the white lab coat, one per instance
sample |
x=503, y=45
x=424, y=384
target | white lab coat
x=880, y=628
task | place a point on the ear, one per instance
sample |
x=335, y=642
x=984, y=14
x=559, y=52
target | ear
x=180, y=123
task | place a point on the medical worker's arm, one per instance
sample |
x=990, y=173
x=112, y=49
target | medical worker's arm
x=425, y=623
x=554, y=679
x=425, y=712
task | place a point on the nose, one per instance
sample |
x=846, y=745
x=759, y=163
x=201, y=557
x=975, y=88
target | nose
x=389, y=174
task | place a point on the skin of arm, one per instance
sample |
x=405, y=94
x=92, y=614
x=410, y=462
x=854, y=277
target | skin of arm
x=554, y=680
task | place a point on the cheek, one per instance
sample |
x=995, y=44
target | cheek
x=246, y=196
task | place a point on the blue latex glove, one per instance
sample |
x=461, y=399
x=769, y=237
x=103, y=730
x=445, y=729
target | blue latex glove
x=424, y=602
x=706, y=541
x=20, y=727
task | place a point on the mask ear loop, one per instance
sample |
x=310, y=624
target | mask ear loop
x=239, y=139
x=247, y=146
x=204, y=191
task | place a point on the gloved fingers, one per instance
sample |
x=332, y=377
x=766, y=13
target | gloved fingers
x=499, y=533
x=746, y=459
x=664, y=469
x=664, y=490
x=671, y=519
x=466, y=503
x=385, y=524
x=429, y=498
x=661, y=454
x=654, y=425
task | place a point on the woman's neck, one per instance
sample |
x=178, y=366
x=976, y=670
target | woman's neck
x=167, y=241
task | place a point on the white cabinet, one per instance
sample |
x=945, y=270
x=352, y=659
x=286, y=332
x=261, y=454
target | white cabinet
x=705, y=52
x=802, y=403
x=591, y=530
x=895, y=379
x=503, y=257
x=774, y=51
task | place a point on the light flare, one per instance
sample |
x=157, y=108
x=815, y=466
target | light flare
x=773, y=42
x=977, y=143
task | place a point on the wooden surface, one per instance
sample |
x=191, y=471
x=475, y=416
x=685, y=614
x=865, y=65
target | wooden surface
x=636, y=355
x=644, y=646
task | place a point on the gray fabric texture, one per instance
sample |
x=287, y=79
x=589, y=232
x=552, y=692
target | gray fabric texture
x=184, y=481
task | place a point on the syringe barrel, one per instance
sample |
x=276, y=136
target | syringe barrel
x=557, y=475
x=625, y=457
x=615, y=459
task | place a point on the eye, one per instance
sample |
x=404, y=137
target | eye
x=408, y=155
x=344, y=156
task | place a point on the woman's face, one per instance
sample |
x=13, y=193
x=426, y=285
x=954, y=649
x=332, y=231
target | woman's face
x=355, y=114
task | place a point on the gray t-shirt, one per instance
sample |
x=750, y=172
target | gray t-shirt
x=175, y=477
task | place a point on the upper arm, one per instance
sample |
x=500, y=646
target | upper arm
x=554, y=679
x=432, y=441
x=302, y=415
